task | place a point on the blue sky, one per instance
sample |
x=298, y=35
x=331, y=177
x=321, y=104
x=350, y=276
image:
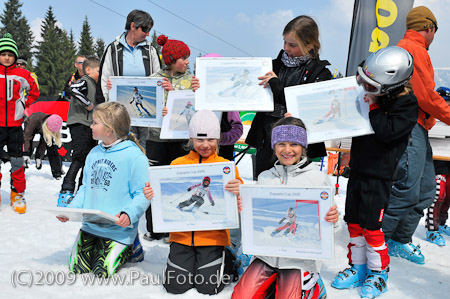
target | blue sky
x=251, y=27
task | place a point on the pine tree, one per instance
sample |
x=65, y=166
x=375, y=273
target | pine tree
x=99, y=47
x=86, y=40
x=14, y=23
x=52, y=69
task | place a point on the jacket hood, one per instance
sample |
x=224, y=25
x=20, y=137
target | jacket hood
x=417, y=37
x=281, y=171
x=118, y=147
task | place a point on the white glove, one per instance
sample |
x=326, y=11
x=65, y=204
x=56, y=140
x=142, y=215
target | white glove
x=38, y=164
x=26, y=161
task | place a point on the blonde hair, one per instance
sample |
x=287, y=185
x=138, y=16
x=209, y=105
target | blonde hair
x=50, y=136
x=306, y=31
x=115, y=117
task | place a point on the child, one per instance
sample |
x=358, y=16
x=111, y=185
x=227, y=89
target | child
x=79, y=121
x=298, y=63
x=188, y=112
x=14, y=83
x=199, y=253
x=48, y=126
x=137, y=99
x=113, y=180
x=437, y=213
x=175, y=54
x=373, y=163
x=295, y=278
x=201, y=191
x=289, y=226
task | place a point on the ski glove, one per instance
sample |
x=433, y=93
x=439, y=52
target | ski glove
x=26, y=161
x=189, y=189
x=212, y=203
x=38, y=164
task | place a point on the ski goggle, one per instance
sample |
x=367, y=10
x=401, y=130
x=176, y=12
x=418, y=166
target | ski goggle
x=369, y=85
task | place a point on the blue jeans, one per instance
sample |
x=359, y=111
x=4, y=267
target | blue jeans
x=414, y=189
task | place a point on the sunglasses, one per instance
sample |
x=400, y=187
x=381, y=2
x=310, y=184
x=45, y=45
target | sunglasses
x=79, y=62
x=369, y=85
x=146, y=29
x=21, y=63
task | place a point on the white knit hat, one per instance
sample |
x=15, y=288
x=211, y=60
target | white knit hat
x=204, y=125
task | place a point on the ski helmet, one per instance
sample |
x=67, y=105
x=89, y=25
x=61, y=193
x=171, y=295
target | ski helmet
x=189, y=103
x=385, y=71
x=444, y=92
x=290, y=211
x=207, y=179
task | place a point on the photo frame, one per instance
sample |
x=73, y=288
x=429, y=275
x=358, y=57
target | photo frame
x=287, y=222
x=143, y=98
x=231, y=84
x=80, y=215
x=181, y=107
x=182, y=202
x=332, y=109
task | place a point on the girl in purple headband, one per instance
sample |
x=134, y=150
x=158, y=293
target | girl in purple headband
x=294, y=278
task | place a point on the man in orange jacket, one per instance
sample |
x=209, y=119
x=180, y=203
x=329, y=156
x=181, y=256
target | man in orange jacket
x=415, y=188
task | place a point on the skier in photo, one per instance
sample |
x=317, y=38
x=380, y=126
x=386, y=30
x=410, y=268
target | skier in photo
x=198, y=196
x=138, y=99
x=188, y=112
x=335, y=110
x=289, y=226
x=241, y=81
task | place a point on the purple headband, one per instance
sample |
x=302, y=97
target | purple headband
x=289, y=133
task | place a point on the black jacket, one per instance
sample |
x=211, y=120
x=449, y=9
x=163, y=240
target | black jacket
x=314, y=71
x=377, y=155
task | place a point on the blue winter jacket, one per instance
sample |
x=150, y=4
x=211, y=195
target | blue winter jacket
x=113, y=181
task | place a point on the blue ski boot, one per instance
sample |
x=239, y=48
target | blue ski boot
x=351, y=277
x=436, y=238
x=322, y=290
x=375, y=284
x=407, y=251
x=444, y=229
x=65, y=197
x=137, y=254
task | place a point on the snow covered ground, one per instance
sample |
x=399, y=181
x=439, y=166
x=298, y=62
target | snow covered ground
x=35, y=248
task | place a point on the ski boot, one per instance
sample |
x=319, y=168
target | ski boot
x=137, y=254
x=436, y=238
x=351, y=277
x=375, y=284
x=407, y=251
x=65, y=197
x=444, y=229
x=322, y=290
x=18, y=202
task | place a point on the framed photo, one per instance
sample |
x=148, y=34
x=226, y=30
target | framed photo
x=80, y=215
x=142, y=96
x=181, y=107
x=231, y=84
x=193, y=197
x=289, y=222
x=333, y=109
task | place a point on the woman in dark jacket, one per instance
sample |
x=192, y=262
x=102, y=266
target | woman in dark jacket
x=297, y=64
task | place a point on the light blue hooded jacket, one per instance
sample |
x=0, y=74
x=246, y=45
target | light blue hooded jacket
x=113, y=181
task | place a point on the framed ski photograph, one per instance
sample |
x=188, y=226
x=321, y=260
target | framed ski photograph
x=193, y=197
x=231, y=84
x=289, y=222
x=180, y=105
x=333, y=109
x=142, y=96
x=80, y=215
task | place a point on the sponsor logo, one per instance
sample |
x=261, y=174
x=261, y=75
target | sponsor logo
x=226, y=170
x=159, y=83
x=324, y=195
x=381, y=215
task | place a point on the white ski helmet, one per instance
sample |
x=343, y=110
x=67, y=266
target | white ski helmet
x=385, y=71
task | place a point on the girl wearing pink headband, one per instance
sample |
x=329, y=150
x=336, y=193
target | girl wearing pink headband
x=294, y=278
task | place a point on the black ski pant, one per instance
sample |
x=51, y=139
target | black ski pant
x=200, y=267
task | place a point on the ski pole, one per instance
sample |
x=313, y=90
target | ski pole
x=175, y=200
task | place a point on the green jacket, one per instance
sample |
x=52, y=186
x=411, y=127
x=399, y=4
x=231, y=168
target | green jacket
x=83, y=94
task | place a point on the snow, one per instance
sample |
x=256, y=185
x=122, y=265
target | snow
x=36, y=245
